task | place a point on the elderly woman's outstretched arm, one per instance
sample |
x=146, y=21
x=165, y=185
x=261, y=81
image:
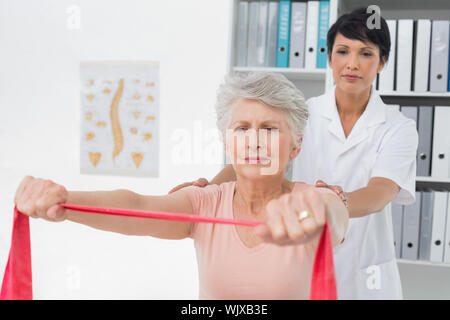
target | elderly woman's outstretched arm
x=337, y=215
x=283, y=226
x=39, y=198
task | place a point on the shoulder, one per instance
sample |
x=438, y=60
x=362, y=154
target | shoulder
x=397, y=133
x=210, y=195
x=315, y=103
x=316, y=107
x=395, y=117
x=399, y=124
x=318, y=99
x=302, y=186
x=388, y=119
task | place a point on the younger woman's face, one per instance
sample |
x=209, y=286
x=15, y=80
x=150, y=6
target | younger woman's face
x=354, y=63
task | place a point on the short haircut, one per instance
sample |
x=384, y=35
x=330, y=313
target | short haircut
x=353, y=25
x=272, y=89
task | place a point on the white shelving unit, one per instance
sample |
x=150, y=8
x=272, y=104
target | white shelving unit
x=316, y=82
x=433, y=179
x=312, y=82
x=424, y=263
x=291, y=73
x=428, y=95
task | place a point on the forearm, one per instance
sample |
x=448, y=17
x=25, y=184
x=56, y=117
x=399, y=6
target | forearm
x=111, y=199
x=225, y=175
x=337, y=217
x=370, y=199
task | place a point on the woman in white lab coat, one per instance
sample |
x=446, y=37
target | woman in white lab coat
x=365, y=151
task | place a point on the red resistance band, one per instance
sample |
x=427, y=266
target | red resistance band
x=17, y=280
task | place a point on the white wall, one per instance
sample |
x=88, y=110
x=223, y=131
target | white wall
x=39, y=132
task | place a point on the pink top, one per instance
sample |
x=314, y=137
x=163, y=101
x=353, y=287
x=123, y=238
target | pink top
x=228, y=269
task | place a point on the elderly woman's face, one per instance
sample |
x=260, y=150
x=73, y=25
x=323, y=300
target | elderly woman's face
x=259, y=140
x=355, y=64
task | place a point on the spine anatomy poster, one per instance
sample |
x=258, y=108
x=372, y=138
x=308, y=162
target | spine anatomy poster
x=120, y=118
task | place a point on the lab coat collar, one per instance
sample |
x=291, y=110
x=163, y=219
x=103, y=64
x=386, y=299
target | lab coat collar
x=375, y=113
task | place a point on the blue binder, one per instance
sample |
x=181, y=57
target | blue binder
x=284, y=26
x=324, y=18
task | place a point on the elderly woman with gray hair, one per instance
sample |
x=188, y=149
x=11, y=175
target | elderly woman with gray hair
x=261, y=117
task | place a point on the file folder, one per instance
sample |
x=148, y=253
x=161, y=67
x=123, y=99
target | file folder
x=447, y=234
x=261, y=38
x=425, y=130
x=404, y=54
x=324, y=19
x=426, y=224
x=284, y=22
x=439, y=56
x=387, y=75
x=438, y=229
x=411, y=224
x=242, y=34
x=253, y=15
x=272, y=35
x=298, y=34
x=312, y=27
x=440, y=158
x=422, y=56
x=397, y=223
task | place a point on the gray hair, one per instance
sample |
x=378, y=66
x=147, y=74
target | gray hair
x=272, y=89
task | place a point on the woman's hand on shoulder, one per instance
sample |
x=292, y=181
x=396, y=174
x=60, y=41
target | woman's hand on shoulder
x=201, y=182
x=294, y=218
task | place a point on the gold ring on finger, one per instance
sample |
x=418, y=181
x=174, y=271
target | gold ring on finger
x=304, y=214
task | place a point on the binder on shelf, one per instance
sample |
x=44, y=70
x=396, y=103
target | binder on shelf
x=447, y=235
x=438, y=228
x=422, y=56
x=397, y=223
x=324, y=19
x=440, y=158
x=425, y=130
x=261, y=38
x=426, y=224
x=312, y=27
x=297, y=39
x=272, y=35
x=253, y=15
x=242, y=34
x=439, y=56
x=404, y=54
x=410, y=112
x=410, y=232
x=284, y=18
x=387, y=75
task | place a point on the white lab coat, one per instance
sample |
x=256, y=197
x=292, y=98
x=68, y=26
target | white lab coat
x=383, y=143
